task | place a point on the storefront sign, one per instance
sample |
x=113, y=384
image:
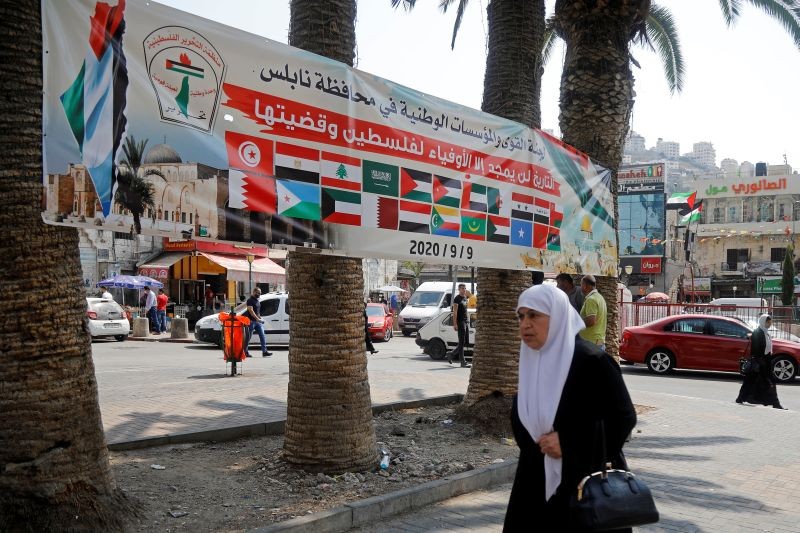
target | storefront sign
x=702, y=286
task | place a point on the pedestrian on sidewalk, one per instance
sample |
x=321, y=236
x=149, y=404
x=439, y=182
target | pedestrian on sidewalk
x=161, y=310
x=758, y=385
x=253, y=312
x=150, y=309
x=567, y=386
x=461, y=325
x=370, y=347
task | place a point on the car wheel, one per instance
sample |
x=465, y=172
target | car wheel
x=120, y=338
x=660, y=361
x=436, y=349
x=387, y=334
x=407, y=332
x=784, y=368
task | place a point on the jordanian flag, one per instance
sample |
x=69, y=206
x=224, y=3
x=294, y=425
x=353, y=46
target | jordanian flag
x=95, y=101
x=682, y=200
x=693, y=216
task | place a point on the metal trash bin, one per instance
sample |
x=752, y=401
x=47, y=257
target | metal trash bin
x=234, y=339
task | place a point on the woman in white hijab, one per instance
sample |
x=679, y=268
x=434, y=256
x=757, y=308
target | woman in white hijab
x=566, y=387
x=758, y=385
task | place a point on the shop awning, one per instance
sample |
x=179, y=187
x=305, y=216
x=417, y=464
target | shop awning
x=264, y=270
x=159, y=267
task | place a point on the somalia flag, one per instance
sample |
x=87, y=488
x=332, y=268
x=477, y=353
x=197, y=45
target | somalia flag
x=95, y=101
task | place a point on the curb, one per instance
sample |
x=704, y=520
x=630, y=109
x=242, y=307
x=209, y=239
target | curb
x=187, y=340
x=370, y=510
x=264, y=428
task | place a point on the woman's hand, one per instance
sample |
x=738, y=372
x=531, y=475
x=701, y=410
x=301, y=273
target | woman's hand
x=550, y=445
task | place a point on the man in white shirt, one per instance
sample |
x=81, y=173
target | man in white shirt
x=106, y=295
x=150, y=309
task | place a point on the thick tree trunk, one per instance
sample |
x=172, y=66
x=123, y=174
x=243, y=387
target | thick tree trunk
x=511, y=89
x=54, y=468
x=597, y=98
x=329, y=412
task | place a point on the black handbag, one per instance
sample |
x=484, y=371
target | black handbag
x=611, y=499
x=748, y=364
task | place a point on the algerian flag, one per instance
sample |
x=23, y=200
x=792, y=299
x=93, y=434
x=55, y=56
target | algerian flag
x=693, y=216
x=681, y=200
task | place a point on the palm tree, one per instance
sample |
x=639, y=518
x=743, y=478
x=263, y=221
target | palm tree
x=511, y=89
x=134, y=192
x=329, y=412
x=55, y=473
x=597, y=86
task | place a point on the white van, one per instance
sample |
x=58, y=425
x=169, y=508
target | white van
x=274, y=310
x=438, y=336
x=426, y=303
x=739, y=302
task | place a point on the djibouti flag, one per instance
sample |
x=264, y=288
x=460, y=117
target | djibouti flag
x=94, y=103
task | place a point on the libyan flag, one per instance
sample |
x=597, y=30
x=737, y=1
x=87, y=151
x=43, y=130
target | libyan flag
x=682, y=200
x=692, y=216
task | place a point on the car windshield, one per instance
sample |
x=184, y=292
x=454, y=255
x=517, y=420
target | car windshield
x=426, y=299
x=106, y=309
x=374, y=311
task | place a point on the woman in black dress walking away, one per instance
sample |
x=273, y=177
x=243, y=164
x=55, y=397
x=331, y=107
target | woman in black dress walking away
x=759, y=382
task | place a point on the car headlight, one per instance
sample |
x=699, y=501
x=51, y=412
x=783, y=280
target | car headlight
x=424, y=319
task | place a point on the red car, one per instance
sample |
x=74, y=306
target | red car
x=381, y=321
x=701, y=342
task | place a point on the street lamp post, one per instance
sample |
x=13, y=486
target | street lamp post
x=250, y=258
x=734, y=290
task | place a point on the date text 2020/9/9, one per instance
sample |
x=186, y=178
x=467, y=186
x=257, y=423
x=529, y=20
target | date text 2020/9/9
x=435, y=249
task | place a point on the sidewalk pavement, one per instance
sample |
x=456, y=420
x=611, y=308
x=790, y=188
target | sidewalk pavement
x=712, y=466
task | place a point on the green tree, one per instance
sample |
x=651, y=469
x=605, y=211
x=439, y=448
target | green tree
x=54, y=469
x=787, y=281
x=134, y=192
x=329, y=412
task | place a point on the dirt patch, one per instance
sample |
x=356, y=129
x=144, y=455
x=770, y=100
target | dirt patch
x=232, y=486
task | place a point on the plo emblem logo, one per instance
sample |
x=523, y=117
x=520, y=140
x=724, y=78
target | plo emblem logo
x=186, y=73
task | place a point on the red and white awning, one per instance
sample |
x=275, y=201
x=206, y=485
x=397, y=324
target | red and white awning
x=264, y=270
x=159, y=267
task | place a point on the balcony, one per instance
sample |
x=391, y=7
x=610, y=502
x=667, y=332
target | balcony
x=732, y=268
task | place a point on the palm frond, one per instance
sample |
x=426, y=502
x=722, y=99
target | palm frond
x=662, y=35
x=462, y=6
x=134, y=153
x=550, y=38
x=408, y=5
x=730, y=10
x=787, y=12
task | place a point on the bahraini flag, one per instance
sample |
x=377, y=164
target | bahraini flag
x=340, y=171
x=254, y=193
x=298, y=200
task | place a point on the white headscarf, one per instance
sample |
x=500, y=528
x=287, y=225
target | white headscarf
x=762, y=323
x=543, y=372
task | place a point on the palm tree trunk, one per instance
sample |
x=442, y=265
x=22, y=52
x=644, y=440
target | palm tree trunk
x=329, y=412
x=597, y=98
x=55, y=468
x=511, y=89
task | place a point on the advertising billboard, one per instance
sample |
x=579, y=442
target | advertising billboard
x=642, y=216
x=253, y=141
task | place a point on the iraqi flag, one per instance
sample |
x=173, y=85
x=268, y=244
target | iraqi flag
x=297, y=163
x=254, y=193
x=253, y=155
x=521, y=206
x=681, y=200
x=473, y=197
x=94, y=103
x=340, y=171
x=446, y=191
x=298, y=200
x=445, y=221
x=341, y=206
x=415, y=185
x=541, y=211
x=378, y=211
x=414, y=217
x=498, y=229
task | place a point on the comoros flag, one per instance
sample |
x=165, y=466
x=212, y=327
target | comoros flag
x=95, y=101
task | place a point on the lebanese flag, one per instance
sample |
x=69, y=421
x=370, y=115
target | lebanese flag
x=378, y=211
x=251, y=154
x=254, y=193
x=340, y=171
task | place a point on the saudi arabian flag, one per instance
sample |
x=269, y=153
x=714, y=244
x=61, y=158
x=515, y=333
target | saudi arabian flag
x=693, y=216
x=681, y=200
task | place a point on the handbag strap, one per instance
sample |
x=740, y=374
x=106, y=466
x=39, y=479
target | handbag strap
x=600, y=431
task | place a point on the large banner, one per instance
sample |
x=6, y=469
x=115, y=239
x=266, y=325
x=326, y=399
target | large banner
x=642, y=216
x=250, y=140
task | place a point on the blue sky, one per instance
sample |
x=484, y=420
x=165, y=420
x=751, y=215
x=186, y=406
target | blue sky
x=740, y=89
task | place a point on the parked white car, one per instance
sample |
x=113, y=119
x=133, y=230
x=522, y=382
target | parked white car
x=438, y=336
x=274, y=309
x=106, y=318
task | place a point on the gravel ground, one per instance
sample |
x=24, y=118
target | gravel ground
x=232, y=486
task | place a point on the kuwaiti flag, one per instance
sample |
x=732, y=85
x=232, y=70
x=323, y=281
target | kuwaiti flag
x=95, y=102
x=254, y=193
x=498, y=229
x=298, y=200
x=414, y=217
x=681, y=200
x=415, y=185
x=446, y=191
x=297, y=163
x=341, y=206
x=473, y=197
x=445, y=221
x=340, y=171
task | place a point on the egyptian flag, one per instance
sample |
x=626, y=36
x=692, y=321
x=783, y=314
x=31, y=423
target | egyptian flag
x=681, y=200
x=94, y=103
x=297, y=163
x=446, y=191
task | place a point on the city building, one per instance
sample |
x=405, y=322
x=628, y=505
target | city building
x=747, y=169
x=704, y=153
x=670, y=149
x=729, y=167
x=634, y=143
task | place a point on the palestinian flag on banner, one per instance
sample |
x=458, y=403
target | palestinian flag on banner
x=415, y=185
x=95, y=102
x=341, y=207
x=681, y=200
x=692, y=216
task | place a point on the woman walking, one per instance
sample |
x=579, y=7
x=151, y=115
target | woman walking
x=567, y=387
x=759, y=383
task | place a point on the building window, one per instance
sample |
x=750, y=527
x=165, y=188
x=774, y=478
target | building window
x=717, y=218
x=190, y=218
x=183, y=218
x=766, y=209
x=747, y=210
x=733, y=214
x=781, y=212
x=777, y=255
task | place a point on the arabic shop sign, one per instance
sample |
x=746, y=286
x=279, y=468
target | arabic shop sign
x=276, y=146
x=752, y=187
x=701, y=285
x=772, y=284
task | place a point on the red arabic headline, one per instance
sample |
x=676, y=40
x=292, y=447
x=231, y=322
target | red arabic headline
x=287, y=118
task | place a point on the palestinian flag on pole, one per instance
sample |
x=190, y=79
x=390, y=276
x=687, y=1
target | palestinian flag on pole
x=682, y=200
x=692, y=216
x=95, y=102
